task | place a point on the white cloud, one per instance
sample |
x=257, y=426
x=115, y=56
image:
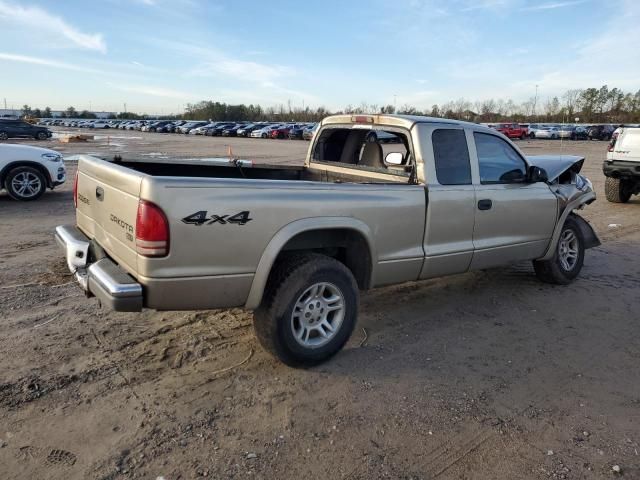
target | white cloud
x=151, y=90
x=45, y=62
x=243, y=70
x=487, y=5
x=554, y=5
x=42, y=21
x=591, y=65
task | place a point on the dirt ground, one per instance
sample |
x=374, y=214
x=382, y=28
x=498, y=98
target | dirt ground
x=485, y=375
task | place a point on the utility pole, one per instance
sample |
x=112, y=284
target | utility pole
x=535, y=101
x=5, y=103
x=395, y=102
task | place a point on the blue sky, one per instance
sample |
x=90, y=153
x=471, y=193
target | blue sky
x=158, y=55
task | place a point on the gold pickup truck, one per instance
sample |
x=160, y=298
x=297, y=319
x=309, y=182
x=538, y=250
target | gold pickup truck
x=380, y=200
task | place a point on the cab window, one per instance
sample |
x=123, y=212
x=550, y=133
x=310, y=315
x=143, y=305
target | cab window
x=498, y=161
x=451, y=156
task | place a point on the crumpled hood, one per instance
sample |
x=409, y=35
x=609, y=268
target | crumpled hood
x=556, y=165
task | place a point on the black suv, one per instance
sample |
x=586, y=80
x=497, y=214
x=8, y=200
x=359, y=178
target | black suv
x=601, y=132
x=18, y=128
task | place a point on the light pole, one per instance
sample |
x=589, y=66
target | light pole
x=535, y=101
x=395, y=101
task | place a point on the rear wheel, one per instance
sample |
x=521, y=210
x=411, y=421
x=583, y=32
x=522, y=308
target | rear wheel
x=41, y=136
x=25, y=184
x=4, y=136
x=309, y=310
x=566, y=263
x=617, y=190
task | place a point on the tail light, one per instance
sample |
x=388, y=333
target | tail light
x=75, y=191
x=152, y=230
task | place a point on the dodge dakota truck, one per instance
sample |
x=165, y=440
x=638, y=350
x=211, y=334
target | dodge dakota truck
x=297, y=244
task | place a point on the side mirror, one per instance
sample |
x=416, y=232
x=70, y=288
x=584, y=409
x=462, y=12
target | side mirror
x=537, y=174
x=394, y=158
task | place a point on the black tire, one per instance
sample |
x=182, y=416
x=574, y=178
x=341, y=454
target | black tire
x=35, y=190
x=264, y=135
x=616, y=190
x=4, y=136
x=554, y=270
x=523, y=136
x=288, y=283
x=532, y=135
x=41, y=136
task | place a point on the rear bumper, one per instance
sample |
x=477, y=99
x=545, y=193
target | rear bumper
x=103, y=279
x=621, y=169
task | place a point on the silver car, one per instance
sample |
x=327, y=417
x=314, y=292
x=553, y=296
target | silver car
x=547, y=132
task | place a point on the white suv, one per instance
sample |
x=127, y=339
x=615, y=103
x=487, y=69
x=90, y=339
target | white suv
x=622, y=167
x=26, y=171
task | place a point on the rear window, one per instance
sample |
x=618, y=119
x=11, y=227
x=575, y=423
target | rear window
x=363, y=149
x=451, y=156
x=630, y=140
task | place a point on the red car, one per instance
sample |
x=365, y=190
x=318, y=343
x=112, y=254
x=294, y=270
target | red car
x=281, y=132
x=512, y=130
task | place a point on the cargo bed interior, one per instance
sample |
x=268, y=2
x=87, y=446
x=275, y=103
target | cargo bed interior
x=271, y=173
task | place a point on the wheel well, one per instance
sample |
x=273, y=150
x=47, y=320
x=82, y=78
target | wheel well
x=24, y=163
x=347, y=246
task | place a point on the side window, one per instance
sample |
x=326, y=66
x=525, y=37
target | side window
x=451, y=156
x=498, y=161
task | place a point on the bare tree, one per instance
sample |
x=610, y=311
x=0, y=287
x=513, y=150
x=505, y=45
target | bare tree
x=571, y=99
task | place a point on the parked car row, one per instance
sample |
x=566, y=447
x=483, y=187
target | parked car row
x=300, y=131
x=554, y=131
x=572, y=132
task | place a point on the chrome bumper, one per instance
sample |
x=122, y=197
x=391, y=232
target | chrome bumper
x=103, y=278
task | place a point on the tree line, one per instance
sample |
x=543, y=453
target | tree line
x=589, y=105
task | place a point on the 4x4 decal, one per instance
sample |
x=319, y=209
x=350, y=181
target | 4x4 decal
x=201, y=217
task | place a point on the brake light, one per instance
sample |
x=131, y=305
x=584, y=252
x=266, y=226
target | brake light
x=362, y=119
x=152, y=230
x=75, y=191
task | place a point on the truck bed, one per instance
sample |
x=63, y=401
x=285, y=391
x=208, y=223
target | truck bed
x=212, y=168
x=223, y=216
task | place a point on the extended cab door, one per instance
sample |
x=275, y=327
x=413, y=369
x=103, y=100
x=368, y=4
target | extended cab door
x=514, y=219
x=448, y=239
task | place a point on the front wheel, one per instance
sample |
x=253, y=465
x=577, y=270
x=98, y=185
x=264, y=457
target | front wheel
x=25, y=183
x=566, y=263
x=41, y=136
x=4, y=136
x=309, y=310
x=617, y=190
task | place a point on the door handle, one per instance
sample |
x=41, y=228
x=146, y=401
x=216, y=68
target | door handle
x=485, y=204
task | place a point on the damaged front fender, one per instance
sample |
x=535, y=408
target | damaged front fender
x=573, y=191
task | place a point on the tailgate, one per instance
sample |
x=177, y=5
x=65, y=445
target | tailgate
x=107, y=207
